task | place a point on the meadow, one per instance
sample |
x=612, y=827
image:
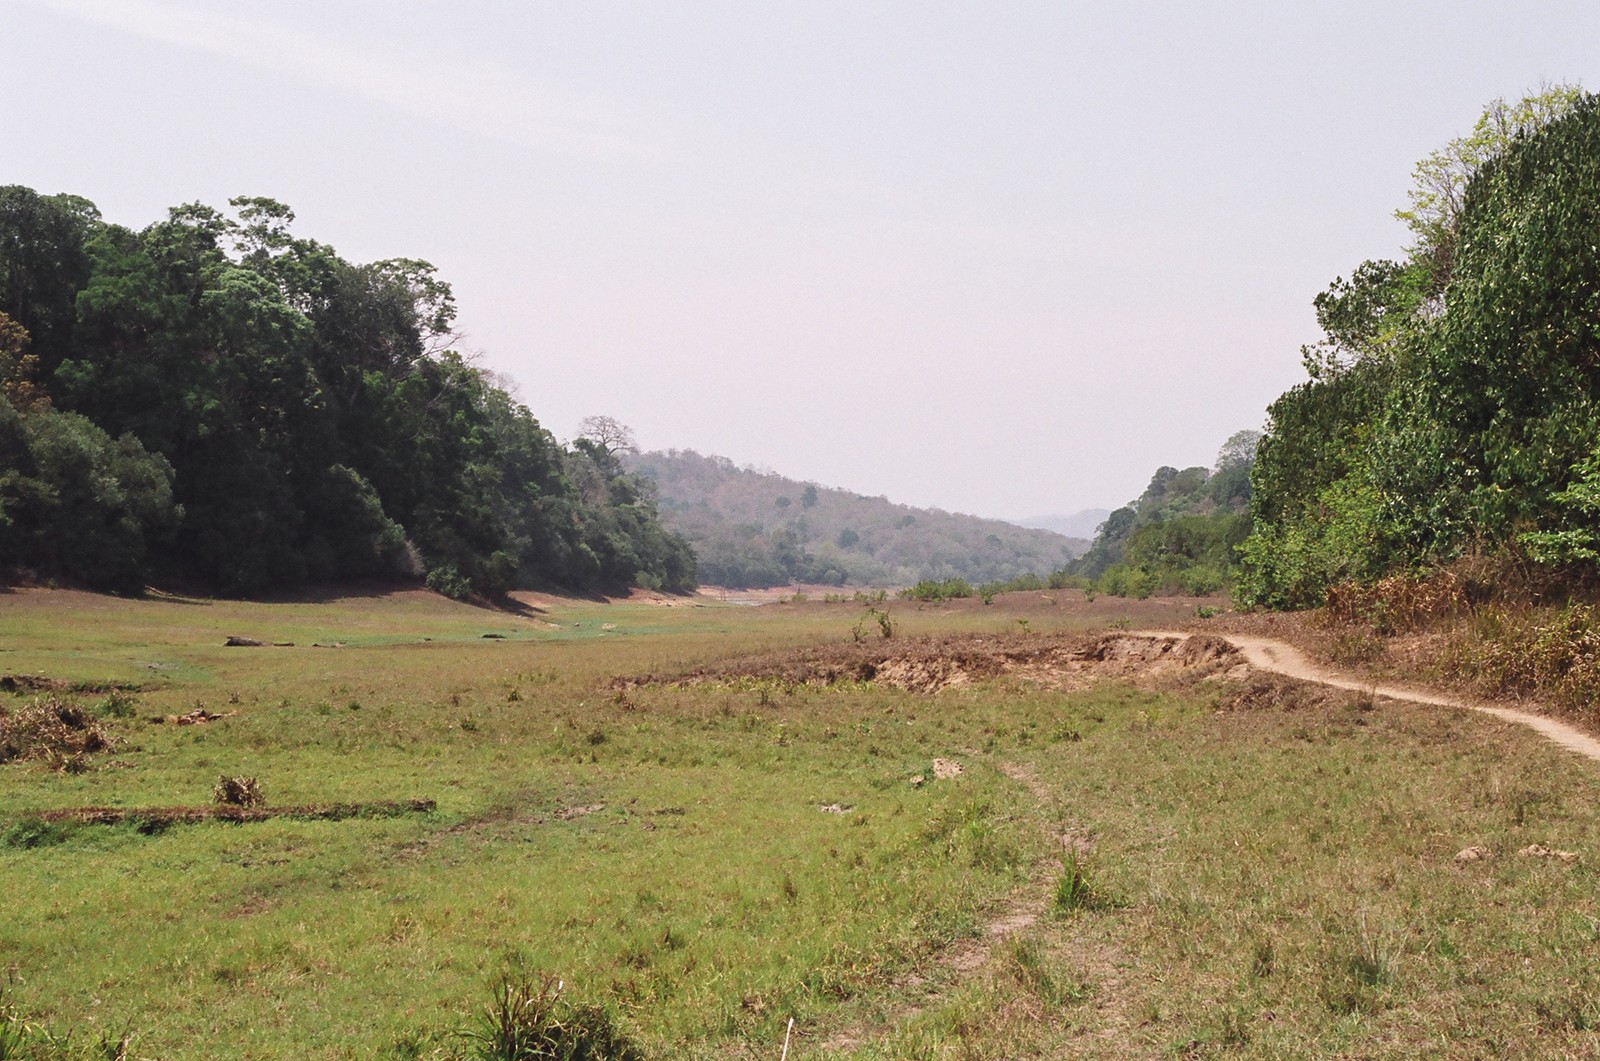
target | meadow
x=1183, y=868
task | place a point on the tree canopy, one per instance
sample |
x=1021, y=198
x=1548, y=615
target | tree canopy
x=216, y=397
x=1454, y=402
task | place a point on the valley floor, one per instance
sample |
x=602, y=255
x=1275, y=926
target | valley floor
x=1008, y=830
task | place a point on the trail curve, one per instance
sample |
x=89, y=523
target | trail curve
x=1282, y=658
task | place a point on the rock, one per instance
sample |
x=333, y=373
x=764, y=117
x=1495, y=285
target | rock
x=244, y=642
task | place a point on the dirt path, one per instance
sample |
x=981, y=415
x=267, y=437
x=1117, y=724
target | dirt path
x=1285, y=659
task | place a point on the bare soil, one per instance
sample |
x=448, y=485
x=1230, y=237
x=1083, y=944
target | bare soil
x=932, y=664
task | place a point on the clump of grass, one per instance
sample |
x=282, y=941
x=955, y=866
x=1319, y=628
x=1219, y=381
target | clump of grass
x=1358, y=646
x=117, y=704
x=530, y=1019
x=1538, y=652
x=1354, y=974
x=35, y=832
x=1073, y=890
x=26, y=1040
x=1263, y=959
x=1027, y=965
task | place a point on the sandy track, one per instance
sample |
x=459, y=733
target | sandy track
x=1285, y=659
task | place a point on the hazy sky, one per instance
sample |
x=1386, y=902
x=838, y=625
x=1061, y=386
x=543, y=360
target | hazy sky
x=1002, y=258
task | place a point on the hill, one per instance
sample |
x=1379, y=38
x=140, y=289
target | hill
x=1182, y=534
x=756, y=528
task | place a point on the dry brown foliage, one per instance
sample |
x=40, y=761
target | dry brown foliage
x=238, y=792
x=52, y=729
x=1399, y=603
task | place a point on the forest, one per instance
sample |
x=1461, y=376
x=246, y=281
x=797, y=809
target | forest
x=1182, y=535
x=1452, y=407
x=216, y=400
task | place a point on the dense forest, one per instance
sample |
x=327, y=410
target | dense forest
x=755, y=528
x=1181, y=535
x=1453, y=404
x=215, y=399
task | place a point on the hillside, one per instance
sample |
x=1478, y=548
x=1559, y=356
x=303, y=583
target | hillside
x=1182, y=534
x=758, y=528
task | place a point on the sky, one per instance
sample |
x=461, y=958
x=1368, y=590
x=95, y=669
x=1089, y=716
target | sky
x=1004, y=258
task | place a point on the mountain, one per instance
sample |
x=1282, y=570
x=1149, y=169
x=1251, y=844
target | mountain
x=753, y=527
x=1082, y=524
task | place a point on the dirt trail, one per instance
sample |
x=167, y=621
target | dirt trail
x=1280, y=658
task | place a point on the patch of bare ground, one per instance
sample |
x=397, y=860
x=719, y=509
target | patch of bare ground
x=930, y=665
x=526, y=810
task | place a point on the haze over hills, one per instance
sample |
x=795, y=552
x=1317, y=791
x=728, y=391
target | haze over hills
x=1082, y=524
x=751, y=527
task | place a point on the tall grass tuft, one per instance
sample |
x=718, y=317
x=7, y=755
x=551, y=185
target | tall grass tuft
x=1073, y=891
x=530, y=1019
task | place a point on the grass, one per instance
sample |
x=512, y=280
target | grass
x=1269, y=876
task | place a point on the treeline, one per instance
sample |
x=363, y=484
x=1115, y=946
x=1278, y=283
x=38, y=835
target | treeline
x=1453, y=405
x=215, y=398
x=1181, y=536
x=753, y=528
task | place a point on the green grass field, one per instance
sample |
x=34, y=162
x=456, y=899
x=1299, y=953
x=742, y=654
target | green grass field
x=1262, y=875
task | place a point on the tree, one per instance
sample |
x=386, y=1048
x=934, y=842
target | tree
x=609, y=434
x=1439, y=192
x=19, y=370
x=1461, y=401
x=44, y=263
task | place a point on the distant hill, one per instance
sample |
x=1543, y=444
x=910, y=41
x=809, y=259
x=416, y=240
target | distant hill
x=1076, y=525
x=756, y=528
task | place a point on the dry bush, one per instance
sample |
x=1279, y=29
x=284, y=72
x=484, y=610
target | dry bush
x=55, y=730
x=1553, y=653
x=238, y=792
x=1399, y=603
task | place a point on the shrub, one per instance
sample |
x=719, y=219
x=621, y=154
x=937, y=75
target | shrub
x=937, y=590
x=117, y=704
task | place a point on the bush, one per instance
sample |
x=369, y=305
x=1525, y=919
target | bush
x=937, y=590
